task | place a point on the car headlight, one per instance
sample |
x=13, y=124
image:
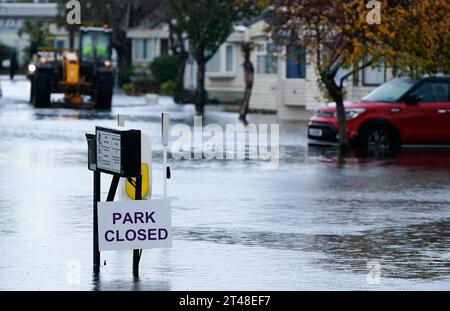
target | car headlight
x=352, y=113
x=31, y=68
x=323, y=113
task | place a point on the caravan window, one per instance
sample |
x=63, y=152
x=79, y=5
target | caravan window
x=214, y=63
x=139, y=49
x=145, y=49
x=223, y=61
x=266, y=58
x=230, y=58
x=164, y=47
x=295, y=63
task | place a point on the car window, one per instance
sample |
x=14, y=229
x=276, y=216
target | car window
x=390, y=91
x=433, y=92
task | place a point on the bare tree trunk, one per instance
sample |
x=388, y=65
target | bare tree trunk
x=200, y=94
x=179, y=79
x=179, y=50
x=249, y=74
x=245, y=104
x=128, y=14
x=344, y=145
x=123, y=48
x=342, y=122
x=337, y=94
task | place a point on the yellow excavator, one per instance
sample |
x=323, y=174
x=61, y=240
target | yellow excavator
x=79, y=74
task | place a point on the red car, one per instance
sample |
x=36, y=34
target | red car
x=401, y=111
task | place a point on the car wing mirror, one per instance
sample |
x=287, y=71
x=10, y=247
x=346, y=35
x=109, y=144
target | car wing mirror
x=413, y=98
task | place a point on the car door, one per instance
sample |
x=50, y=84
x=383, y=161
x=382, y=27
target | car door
x=428, y=120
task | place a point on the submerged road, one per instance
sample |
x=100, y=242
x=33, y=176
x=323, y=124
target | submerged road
x=311, y=224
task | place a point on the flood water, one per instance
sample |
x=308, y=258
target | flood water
x=311, y=224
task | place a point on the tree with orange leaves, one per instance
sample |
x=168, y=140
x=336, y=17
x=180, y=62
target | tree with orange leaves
x=411, y=35
x=420, y=40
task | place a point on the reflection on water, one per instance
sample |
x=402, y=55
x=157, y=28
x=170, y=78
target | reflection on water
x=306, y=225
x=426, y=157
x=131, y=284
x=419, y=251
x=411, y=252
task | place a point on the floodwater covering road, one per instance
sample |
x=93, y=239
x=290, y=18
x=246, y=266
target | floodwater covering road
x=308, y=225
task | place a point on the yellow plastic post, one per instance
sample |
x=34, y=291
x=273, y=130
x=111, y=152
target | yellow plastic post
x=129, y=188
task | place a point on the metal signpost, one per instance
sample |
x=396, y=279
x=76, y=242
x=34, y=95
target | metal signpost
x=130, y=225
x=165, y=143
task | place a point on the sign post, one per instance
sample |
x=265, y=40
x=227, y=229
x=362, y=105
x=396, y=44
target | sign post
x=165, y=143
x=117, y=153
x=136, y=252
x=96, y=250
x=139, y=224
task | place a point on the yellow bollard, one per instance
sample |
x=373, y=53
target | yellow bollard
x=129, y=188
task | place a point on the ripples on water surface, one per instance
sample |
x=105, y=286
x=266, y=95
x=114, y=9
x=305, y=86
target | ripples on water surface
x=311, y=224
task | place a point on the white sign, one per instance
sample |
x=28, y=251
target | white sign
x=128, y=225
x=108, y=151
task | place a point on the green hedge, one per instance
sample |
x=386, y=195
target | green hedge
x=164, y=68
x=125, y=74
x=167, y=88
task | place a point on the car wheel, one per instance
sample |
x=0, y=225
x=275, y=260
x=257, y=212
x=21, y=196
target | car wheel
x=380, y=141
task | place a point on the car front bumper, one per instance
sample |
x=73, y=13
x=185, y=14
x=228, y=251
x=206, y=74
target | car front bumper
x=322, y=132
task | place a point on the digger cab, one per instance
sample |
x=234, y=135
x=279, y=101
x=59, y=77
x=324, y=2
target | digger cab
x=95, y=49
x=85, y=76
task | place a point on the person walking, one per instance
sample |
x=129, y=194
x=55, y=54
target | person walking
x=13, y=64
